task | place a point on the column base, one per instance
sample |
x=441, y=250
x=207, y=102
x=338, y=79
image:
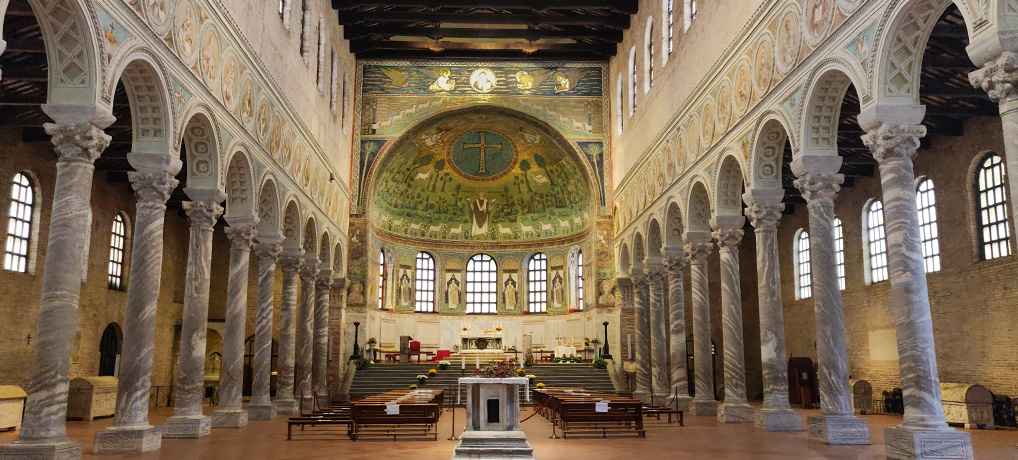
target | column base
x=128, y=439
x=778, y=420
x=49, y=449
x=286, y=406
x=907, y=444
x=261, y=412
x=838, y=429
x=703, y=408
x=680, y=402
x=735, y=413
x=642, y=396
x=187, y=426
x=229, y=418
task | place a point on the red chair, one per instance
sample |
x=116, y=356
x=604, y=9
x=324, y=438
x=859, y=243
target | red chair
x=440, y=355
x=415, y=349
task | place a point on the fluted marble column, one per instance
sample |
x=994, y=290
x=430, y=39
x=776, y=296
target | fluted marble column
x=777, y=413
x=320, y=363
x=285, y=402
x=677, y=332
x=131, y=431
x=267, y=251
x=658, y=325
x=924, y=426
x=188, y=420
x=305, y=332
x=43, y=430
x=735, y=409
x=642, y=310
x=703, y=403
x=230, y=413
x=837, y=423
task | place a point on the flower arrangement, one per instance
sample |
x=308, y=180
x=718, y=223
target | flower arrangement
x=432, y=372
x=422, y=379
x=503, y=369
x=540, y=385
x=521, y=372
x=531, y=377
x=443, y=364
x=567, y=359
x=528, y=359
x=414, y=386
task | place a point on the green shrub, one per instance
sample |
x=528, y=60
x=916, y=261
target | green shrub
x=599, y=363
x=363, y=363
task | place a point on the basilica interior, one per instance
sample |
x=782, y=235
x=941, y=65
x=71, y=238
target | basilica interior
x=702, y=229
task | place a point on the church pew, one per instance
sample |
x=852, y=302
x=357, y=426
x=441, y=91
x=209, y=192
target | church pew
x=419, y=411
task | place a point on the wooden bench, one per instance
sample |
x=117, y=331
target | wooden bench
x=658, y=411
x=419, y=411
x=318, y=421
x=575, y=411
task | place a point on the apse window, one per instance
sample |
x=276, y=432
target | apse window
x=690, y=14
x=424, y=295
x=803, y=272
x=876, y=241
x=19, y=224
x=994, y=233
x=579, y=280
x=929, y=237
x=381, y=280
x=839, y=252
x=670, y=27
x=537, y=284
x=481, y=290
x=118, y=236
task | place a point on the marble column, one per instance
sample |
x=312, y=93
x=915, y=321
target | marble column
x=337, y=365
x=658, y=325
x=999, y=78
x=305, y=332
x=703, y=402
x=642, y=311
x=131, y=431
x=777, y=413
x=188, y=420
x=285, y=402
x=320, y=353
x=231, y=413
x=923, y=434
x=734, y=409
x=836, y=423
x=267, y=251
x=679, y=393
x=43, y=431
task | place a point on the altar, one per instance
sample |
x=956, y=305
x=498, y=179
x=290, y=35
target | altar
x=487, y=340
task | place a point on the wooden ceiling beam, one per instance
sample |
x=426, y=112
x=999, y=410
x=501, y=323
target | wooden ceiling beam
x=618, y=6
x=619, y=22
x=520, y=49
x=356, y=32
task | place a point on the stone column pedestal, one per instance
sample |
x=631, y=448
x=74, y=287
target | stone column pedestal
x=285, y=402
x=642, y=309
x=703, y=403
x=734, y=409
x=679, y=396
x=267, y=251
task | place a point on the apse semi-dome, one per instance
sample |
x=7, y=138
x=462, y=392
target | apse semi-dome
x=481, y=174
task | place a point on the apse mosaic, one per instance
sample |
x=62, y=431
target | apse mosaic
x=481, y=174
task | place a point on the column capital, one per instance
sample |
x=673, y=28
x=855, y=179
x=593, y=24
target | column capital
x=655, y=274
x=763, y=216
x=675, y=264
x=241, y=237
x=309, y=271
x=78, y=142
x=641, y=281
x=728, y=238
x=267, y=251
x=697, y=253
x=323, y=283
x=203, y=214
x=291, y=263
x=890, y=143
x=152, y=187
x=819, y=188
x=998, y=77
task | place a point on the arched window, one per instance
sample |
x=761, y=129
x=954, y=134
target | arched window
x=803, y=271
x=320, y=74
x=305, y=30
x=994, y=233
x=346, y=102
x=118, y=236
x=281, y=5
x=537, y=284
x=648, y=57
x=381, y=280
x=579, y=280
x=689, y=14
x=839, y=252
x=876, y=241
x=926, y=202
x=619, y=85
x=424, y=295
x=632, y=81
x=481, y=291
x=19, y=224
x=669, y=24
x=334, y=87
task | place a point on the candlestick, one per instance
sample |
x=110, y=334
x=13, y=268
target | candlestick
x=477, y=362
x=463, y=362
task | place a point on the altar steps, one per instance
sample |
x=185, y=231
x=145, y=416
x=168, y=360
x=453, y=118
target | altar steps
x=388, y=377
x=471, y=359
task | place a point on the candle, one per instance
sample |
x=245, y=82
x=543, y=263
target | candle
x=477, y=362
x=463, y=362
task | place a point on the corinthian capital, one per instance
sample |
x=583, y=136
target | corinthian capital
x=764, y=216
x=697, y=253
x=309, y=270
x=241, y=237
x=202, y=214
x=152, y=188
x=819, y=188
x=323, y=283
x=267, y=252
x=78, y=142
x=675, y=264
x=894, y=142
x=290, y=264
x=656, y=275
x=997, y=77
x=728, y=238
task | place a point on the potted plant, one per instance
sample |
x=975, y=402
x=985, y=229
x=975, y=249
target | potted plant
x=599, y=363
x=443, y=364
x=422, y=379
x=432, y=372
x=362, y=363
x=531, y=377
x=414, y=386
x=586, y=342
x=540, y=385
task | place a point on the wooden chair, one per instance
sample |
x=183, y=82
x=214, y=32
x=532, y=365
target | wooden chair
x=415, y=350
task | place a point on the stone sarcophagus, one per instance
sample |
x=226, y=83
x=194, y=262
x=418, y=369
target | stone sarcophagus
x=862, y=396
x=12, y=406
x=91, y=397
x=967, y=404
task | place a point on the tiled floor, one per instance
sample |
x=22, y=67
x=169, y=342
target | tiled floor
x=701, y=438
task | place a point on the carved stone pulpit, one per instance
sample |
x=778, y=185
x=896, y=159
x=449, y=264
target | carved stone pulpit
x=493, y=420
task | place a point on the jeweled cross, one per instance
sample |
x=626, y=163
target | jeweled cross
x=482, y=146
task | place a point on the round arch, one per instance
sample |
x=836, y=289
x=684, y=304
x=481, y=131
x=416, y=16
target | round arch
x=822, y=109
x=698, y=208
x=144, y=80
x=292, y=228
x=240, y=202
x=729, y=186
x=201, y=146
x=73, y=54
x=765, y=160
x=674, y=228
x=268, y=208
